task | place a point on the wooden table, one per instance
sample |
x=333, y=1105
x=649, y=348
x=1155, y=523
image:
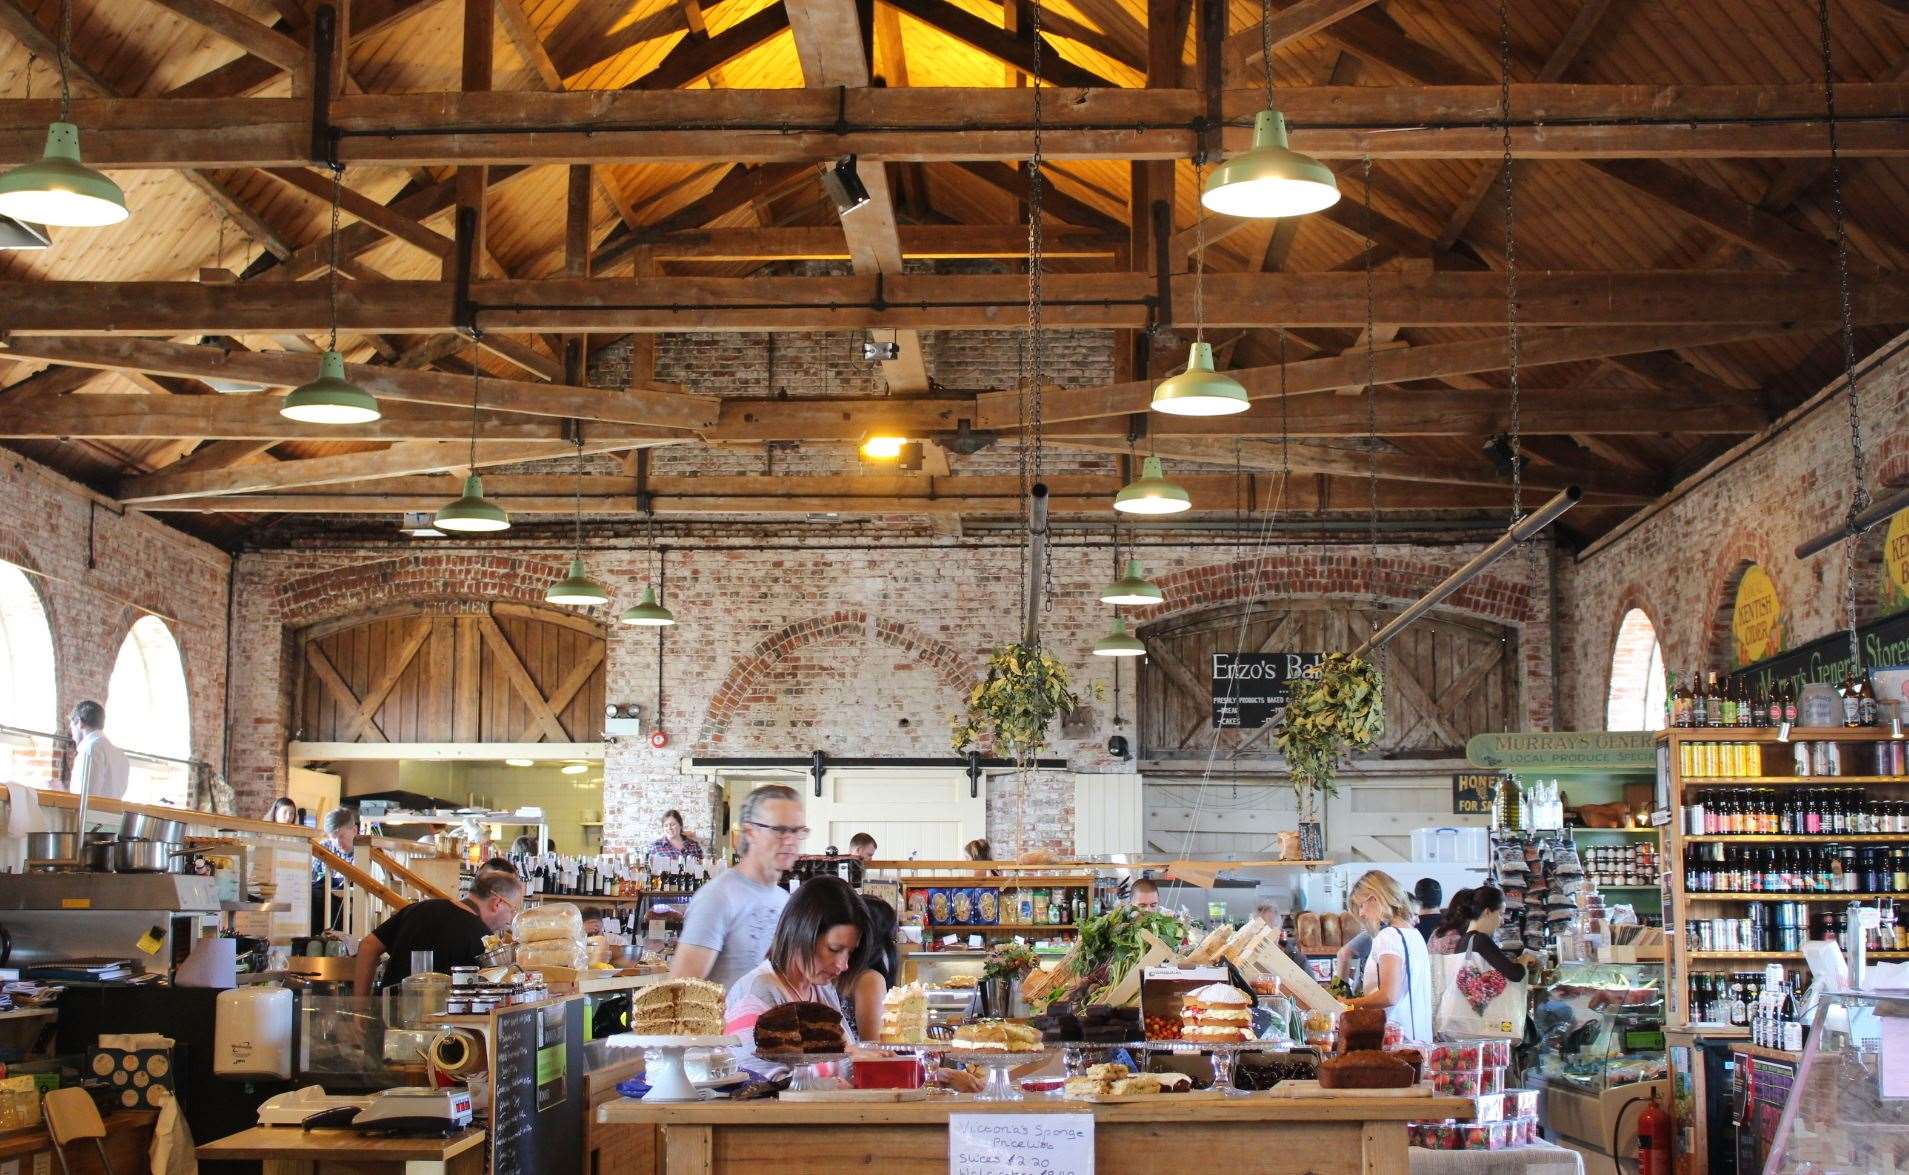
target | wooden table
x=1352, y=1135
x=288, y=1150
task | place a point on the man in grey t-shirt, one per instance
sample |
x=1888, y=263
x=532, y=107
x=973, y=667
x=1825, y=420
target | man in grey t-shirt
x=731, y=920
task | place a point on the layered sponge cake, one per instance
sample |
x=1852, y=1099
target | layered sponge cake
x=905, y=1015
x=800, y=1027
x=1218, y=1012
x=678, y=1007
x=997, y=1036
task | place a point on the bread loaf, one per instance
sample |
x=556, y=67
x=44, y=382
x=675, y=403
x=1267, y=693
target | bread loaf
x=1366, y=1069
x=1311, y=936
x=1362, y=1029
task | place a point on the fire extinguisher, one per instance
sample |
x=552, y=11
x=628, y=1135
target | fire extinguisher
x=1654, y=1127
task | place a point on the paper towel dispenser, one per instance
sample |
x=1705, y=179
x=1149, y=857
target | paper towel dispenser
x=252, y=1033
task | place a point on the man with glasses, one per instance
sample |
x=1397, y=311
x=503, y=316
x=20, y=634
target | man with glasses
x=452, y=931
x=732, y=919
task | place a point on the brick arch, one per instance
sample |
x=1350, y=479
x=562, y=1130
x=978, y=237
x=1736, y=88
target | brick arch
x=1733, y=560
x=333, y=593
x=1394, y=578
x=1628, y=646
x=951, y=666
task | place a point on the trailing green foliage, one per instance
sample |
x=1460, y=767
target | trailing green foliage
x=1339, y=711
x=1011, y=708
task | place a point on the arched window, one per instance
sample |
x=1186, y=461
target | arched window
x=149, y=714
x=1636, y=700
x=29, y=696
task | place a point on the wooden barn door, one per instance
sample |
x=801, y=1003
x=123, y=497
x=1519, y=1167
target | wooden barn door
x=417, y=674
x=1446, y=680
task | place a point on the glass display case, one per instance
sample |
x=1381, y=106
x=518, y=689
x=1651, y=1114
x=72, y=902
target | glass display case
x=1600, y=1049
x=1848, y=1112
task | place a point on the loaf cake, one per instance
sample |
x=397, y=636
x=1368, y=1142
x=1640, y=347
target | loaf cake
x=1365, y=1069
x=678, y=1007
x=1361, y=1030
x=905, y=1015
x=800, y=1027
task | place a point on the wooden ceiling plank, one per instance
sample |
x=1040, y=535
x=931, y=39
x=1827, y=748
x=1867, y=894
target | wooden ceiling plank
x=695, y=58
x=741, y=185
x=379, y=216
x=530, y=49
x=241, y=30
x=1724, y=214
x=42, y=385
x=577, y=49
x=1300, y=19
x=1013, y=181
x=826, y=242
x=991, y=40
x=219, y=455
x=658, y=404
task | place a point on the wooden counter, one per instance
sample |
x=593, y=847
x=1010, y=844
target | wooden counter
x=1351, y=1135
x=288, y=1150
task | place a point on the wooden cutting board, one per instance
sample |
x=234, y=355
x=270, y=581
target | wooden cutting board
x=1114, y=1099
x=1311, y=1088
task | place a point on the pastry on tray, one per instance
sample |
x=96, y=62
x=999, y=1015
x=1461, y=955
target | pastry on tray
x=1218, y=1012
x=1365, y=1069
x=800, y=1027
x=997, y=1036
x=678, y=1007
x=905, y=1015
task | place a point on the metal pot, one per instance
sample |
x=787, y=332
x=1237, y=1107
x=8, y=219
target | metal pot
x=100, y=854
x=147, y=856
x=141, y=826
x=52, y=846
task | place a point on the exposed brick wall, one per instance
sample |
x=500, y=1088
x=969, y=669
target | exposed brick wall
x=97, y=571
x=1682, y=564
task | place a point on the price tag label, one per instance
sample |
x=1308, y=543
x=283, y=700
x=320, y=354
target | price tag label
x=1051, y=1144
x=76, y=903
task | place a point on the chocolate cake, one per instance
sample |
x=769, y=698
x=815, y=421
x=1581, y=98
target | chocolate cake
x=800, y=1027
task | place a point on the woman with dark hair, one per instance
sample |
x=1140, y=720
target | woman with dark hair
x=867, y=984
x=1450, y=933
x=1487, y=908
x=675, y=845
x=282, y=811
x=814, y=955
x=978, y=849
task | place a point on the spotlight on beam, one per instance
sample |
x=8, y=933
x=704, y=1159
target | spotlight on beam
x=844, y=186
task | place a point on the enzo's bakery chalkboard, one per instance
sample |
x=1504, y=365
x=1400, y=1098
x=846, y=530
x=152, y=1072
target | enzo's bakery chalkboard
x=536, y=1119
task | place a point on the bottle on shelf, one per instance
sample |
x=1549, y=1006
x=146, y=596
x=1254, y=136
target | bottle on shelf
x=1680, y=699
x=1699, y=702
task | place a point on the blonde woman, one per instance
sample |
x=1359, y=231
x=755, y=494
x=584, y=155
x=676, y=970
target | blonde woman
x=1398, y=972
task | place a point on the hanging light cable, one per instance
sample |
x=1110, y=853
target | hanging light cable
x=473, y=512
x=58, y=189
x=1269, y=178
x=577, y=588
x=1200, y=390
x=1131, y=587
x=331, y=398
x=647, y=612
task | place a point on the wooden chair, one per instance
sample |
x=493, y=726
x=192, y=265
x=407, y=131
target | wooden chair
x=71, y=1116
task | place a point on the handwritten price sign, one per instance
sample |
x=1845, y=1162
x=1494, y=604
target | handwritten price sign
x=1024, y=1144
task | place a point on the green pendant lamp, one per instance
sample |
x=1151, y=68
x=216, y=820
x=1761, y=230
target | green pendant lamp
x=59, y=190
x=577, y=589
x=1200, y=390
x=647, y=613
x=1119, y=643
x=1152, y=493
x=331, y=398
x=1269, y=178
x=1132, y=589
x=473, y=513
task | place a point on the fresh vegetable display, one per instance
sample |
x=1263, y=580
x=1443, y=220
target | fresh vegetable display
x=1110, y=945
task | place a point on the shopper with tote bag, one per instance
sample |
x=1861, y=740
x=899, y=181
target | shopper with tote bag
x=1486, y=995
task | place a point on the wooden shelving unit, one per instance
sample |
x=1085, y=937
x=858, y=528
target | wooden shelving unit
x=1006, y=887
x=1775, y=754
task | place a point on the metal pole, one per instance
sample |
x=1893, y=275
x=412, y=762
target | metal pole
x=1526, y=528
x=1036, y=561
x=1856, y=525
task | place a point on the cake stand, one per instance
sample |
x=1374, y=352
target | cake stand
x=663, y=1063
x=802, y=1074
x=1000, y=1065
x=1224, y=1051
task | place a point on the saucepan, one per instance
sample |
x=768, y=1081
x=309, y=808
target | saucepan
x=147, y=856
x=142, y=826
x=52, y=846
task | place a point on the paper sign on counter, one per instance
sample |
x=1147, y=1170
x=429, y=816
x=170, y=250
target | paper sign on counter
x=1050, y=1144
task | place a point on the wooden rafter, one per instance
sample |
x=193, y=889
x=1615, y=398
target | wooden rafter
x=994, y=41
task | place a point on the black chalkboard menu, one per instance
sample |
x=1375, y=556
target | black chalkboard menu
x=536, y=1122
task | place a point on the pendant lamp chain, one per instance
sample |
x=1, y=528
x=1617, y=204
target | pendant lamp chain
x=477, y=371
x=1371, y=404
x=1199, y=256
x=65, y=46
x=577, y=498
x=337, y=184
x=1858, y=473
x=1034, y=376
x=1511, y=258
x=1266, y=47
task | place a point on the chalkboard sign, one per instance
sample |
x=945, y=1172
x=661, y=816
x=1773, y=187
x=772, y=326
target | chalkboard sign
x=1472, y=792
x=536, y=1090
x=1252, y=689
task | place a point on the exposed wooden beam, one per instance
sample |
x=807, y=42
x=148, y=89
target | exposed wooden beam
x=1334, y=373
x=379, y=216
x=659, y=405
x=1013, y=181
x=696, y=57
x=219, y=455
x=405, y=459
x=1767, y=302
x=996, y=42
x=241, y=30
x=577, y=47
x=1299, y=19
x=1551, y=121
x=739, y=186
x=826, y=243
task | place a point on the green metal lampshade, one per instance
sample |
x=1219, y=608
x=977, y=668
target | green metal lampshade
x=1119, y=643
x=647, y=612
x=1199, y=390
x=59, y=189
x=473, y=512
x=1132, y=589
x=1270, y=178
x=1152, y=493
x=577, y=588
x=331, y=398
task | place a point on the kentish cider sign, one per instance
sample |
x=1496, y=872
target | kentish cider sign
x=1895, y=564
x=1756, y=623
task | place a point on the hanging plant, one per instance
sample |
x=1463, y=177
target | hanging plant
x=1339, y=711
x=1010, y=709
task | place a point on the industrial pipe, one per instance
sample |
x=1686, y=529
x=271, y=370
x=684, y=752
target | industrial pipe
x=1525, y=528
x=1036, y=561
x=1856, y=525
